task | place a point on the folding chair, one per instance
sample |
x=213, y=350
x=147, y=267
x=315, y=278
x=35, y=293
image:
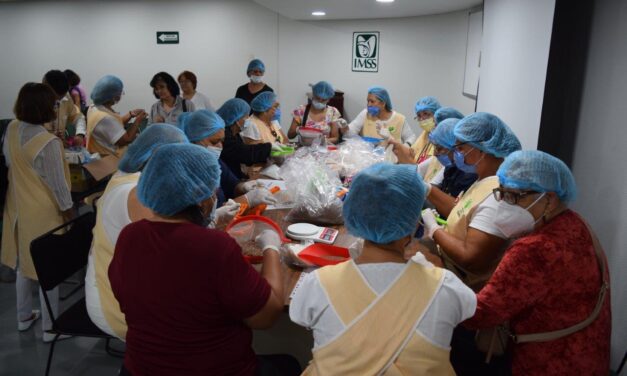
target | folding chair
x=57, y=257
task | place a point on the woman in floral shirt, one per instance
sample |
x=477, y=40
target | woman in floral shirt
x=550, y=277
x=321, y=116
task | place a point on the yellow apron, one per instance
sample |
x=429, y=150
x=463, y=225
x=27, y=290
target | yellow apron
x=395, y=125
x=433, y=169
x=94, y=115
x=457, y=225
x=380, y=335
x=30, y=209
x=67, y=113
x=102, y=253
x=423, y=147
x=265, y=132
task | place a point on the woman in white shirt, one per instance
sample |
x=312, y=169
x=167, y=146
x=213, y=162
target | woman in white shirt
x=379, y=313
x=379, y=116
x=118, y=207
x=188, y=83
x=38, y=197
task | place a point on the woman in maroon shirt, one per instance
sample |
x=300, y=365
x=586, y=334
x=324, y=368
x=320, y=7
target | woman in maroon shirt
x=189, y=297
x=550, y=277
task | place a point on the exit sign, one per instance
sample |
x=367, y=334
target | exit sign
x=167, y=37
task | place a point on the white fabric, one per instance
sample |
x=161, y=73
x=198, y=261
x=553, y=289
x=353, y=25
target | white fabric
x=424, y=166
x=48, y=163
x=201, y=102
x=24, y=295
x=251, y=132
x=483, y=217
x=114, y=208
x=108, y=131
x=453, y=303
x=355, y=126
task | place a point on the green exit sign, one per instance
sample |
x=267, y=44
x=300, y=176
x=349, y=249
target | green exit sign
x=167, y=37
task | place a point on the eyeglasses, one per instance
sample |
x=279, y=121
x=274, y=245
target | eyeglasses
x=439, y=150
x=510, y=197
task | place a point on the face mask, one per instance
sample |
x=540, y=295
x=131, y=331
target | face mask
x=444, y=160
x=513, y=220
x=277, y=114
x=214, y=150
x=461, y=164
x=427, y=125
x=373, y=110
x=318, y=105
x=256, y=79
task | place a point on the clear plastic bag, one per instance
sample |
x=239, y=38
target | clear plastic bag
x=354, y=155
x=313, y=187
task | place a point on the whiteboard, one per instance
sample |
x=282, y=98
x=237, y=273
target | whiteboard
x=473, y=54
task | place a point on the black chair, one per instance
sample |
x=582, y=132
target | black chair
x=56, y=258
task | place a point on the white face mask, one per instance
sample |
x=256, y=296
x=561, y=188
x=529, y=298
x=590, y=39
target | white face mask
x=256, y=79
x=515, y=221
x=214, y=150
x=246, y=124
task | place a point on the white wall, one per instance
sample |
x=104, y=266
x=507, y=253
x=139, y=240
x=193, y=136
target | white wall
x=218, y=38
x=419, y=56
x=515, y=51
x=599, y=157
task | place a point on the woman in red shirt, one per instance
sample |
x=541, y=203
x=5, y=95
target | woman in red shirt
x=189, y=297
x=550, y=277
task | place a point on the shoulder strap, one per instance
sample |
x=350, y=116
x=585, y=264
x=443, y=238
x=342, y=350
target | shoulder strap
x=550, y=336
x=303, y=122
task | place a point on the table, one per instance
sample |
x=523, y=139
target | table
x=291, y=274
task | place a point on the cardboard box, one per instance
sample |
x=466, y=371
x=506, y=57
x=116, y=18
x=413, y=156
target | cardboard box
x=84, y=177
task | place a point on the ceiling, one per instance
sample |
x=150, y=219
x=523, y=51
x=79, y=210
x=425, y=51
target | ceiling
x=363, y=9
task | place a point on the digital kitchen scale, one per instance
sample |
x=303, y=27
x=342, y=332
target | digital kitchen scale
x=307, y=231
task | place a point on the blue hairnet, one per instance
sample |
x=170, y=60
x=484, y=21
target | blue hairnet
x=142, y=148
x=443, y=134
x=256, y=64
x=323, y=90
x=396, y=211
x=200, y=124
x=106, y=88
x=263, y=102
x=427, y=104
x=178, y=176
x=233, y=110
x=444, y=113
x=487, y=133
x=537, y=171
x=382, y=95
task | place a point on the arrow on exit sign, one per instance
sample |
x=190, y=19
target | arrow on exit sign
x=167, y=37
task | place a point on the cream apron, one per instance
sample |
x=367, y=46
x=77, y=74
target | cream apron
x=380, y=336
x=31, y=209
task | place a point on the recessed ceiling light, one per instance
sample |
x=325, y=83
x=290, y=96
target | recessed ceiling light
x=385, y=1
x=318, y=13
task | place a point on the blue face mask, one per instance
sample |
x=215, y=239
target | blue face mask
x=461, y=164
x=444, y=160
x=277, y=114
x=318, y=105
x=373, y=110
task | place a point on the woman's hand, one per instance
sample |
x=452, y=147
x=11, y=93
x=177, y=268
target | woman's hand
x=404, y=153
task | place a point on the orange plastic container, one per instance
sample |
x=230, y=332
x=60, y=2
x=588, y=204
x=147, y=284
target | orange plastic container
x=324, y=254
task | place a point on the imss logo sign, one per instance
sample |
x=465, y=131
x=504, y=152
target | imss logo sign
x=366, y=51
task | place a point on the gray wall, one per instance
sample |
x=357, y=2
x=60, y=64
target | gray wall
x=600, y=156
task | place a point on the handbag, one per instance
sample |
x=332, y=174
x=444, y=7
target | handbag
x=494, y=341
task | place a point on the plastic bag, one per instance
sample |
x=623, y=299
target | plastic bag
x=313, y=187
x=354, y=155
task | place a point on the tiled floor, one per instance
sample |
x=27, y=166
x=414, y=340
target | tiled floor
x=24, y=353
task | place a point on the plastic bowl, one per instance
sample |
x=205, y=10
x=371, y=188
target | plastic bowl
x=307, y=136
